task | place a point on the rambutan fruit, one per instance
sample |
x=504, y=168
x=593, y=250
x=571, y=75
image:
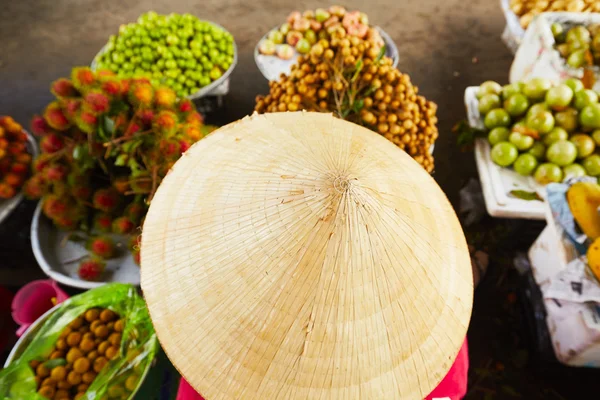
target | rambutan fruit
x=132, y=129
x=39, y=126
x=19, y=168
x=17, y=148
x=35, y=187
x=101, y=246
x=165, y=122
x=71, y=106
x=65, y=222
x=123, y=225
x=141, y=94
x=7, y=191
x=86, y=121
x=194, y=118
x=51, y=143
x=3, y=143
x=125, y=84
x=14, y=180
x=121, y=184
x=183, y=146
x=169, y=148
x=102, y=222
x=106, y=199
x=24, y=158
x=82, y=78
x=105, y=74
x=5, y=163
x=41, y=162
x=135, y=211
x=55, y=117
x=55, y=172
x=137, y=257
x=186, y=106
x=146, y=116
x=54, y=206
x=112, y=88
x=165, y=97
x=193, y=132
x=63, y=87
x=91, y=269
x=81, y=192
x=97, y=102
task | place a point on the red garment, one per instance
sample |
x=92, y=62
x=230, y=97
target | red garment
x=452, y=387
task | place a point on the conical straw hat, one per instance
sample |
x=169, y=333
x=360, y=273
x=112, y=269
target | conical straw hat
x=300, y=256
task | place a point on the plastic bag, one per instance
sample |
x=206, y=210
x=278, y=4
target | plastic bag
x=537, y=57
x=514, y=32
x=137, y=349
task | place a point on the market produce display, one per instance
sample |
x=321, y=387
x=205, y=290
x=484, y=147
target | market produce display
x=579, y=45
x=14, y=157
x=541, y=129
x=301, y=31
x=106, y=143
x=353, y=79
x=179, y=51
x=526, y=10
x=82, y=351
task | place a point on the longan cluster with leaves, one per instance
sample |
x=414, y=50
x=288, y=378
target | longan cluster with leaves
x=106, y=143
x=353, y=79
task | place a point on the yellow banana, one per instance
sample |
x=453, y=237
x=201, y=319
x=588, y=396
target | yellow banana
x=593, y=257
x=584, y=200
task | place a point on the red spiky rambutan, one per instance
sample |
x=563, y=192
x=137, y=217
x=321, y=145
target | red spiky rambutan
x=14, y=180
x=186, y=105
x=65, y=222
x=17, y=148
x=55, y=117
x=82, y=78
x=86, y=121
x=23, y=158
x=183, y=146
x=91, y=269
x=102, y=222
x=165, y=97
x=35, y=187
x=134, y=211
x=125, y=84
x=123, y=225
x=70, y=107
x=5, y=165
x=19, y=168
x=101, y=246
x=51, y=143
x=7, y=191
x=165, y=122
x=193, y=132
x=132, y=129
x=112, y=88
x=141, y=94
x=106, y=199
x=55, y=172
x=63, y=87
x=146, y=116
x=54, y=206
x=39, y=126
x=169, y=148
x=194, y=118
x=41, y=162
x=81, y=192
x=105, y=74
x=97, y=102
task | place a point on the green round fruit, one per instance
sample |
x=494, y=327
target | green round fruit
x=559, y=96
x=488, y=102
x=516, y=104
x=496, y=117
x=575, y=84
x=489, y=87
x=596, y=136
x=579, y=33
x=538, y=150
x=554, y=135
x=584, y=98
x=592, y=165
x=577, y=59
x=504, y=154
x=584, y=143
x=522, y=142
x=590, y=116
x=525, y=164
x=573, y=171
x=537, y=108
x=542, y=122
x=567, y=119
x=497, y=135
x=557, y=30
x=548, y=173
x=561, y=153
x=536, y=88
x=510, y=89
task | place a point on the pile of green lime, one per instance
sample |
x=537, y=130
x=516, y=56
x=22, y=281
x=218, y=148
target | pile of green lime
x=179, y=51
x=549, y=131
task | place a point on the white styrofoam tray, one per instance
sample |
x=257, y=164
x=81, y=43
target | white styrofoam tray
x=59, y=258
x=497, y=182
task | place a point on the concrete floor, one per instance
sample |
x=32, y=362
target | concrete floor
x=445, y=46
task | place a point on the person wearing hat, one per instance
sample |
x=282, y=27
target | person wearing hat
x=300, y=256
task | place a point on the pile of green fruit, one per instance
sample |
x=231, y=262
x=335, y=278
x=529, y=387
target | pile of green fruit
x=579, y=45
x=541, y=129
x=178, y=51
x=106, y=143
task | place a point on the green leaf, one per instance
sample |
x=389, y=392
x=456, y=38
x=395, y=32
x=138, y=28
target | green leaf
x=358, y=105
x=79, y=151
x=466, y=133
x=525, y=195
x=133, y=165
x=370, y=90
x=117, y=107
x=101, y=132
x=121, y=160
x=357, y=68
x=381, y=54
x=109, y=126
x=345, y=112
x=56, y=362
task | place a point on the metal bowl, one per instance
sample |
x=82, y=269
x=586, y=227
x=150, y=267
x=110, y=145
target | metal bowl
x=59, y=258
x=206, y=90
x=7, y=206
x=272, y=66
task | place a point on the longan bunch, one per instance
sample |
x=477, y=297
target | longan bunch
x=526, y=10
x=351, y=78
x=14, y=157
x=83, y=349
